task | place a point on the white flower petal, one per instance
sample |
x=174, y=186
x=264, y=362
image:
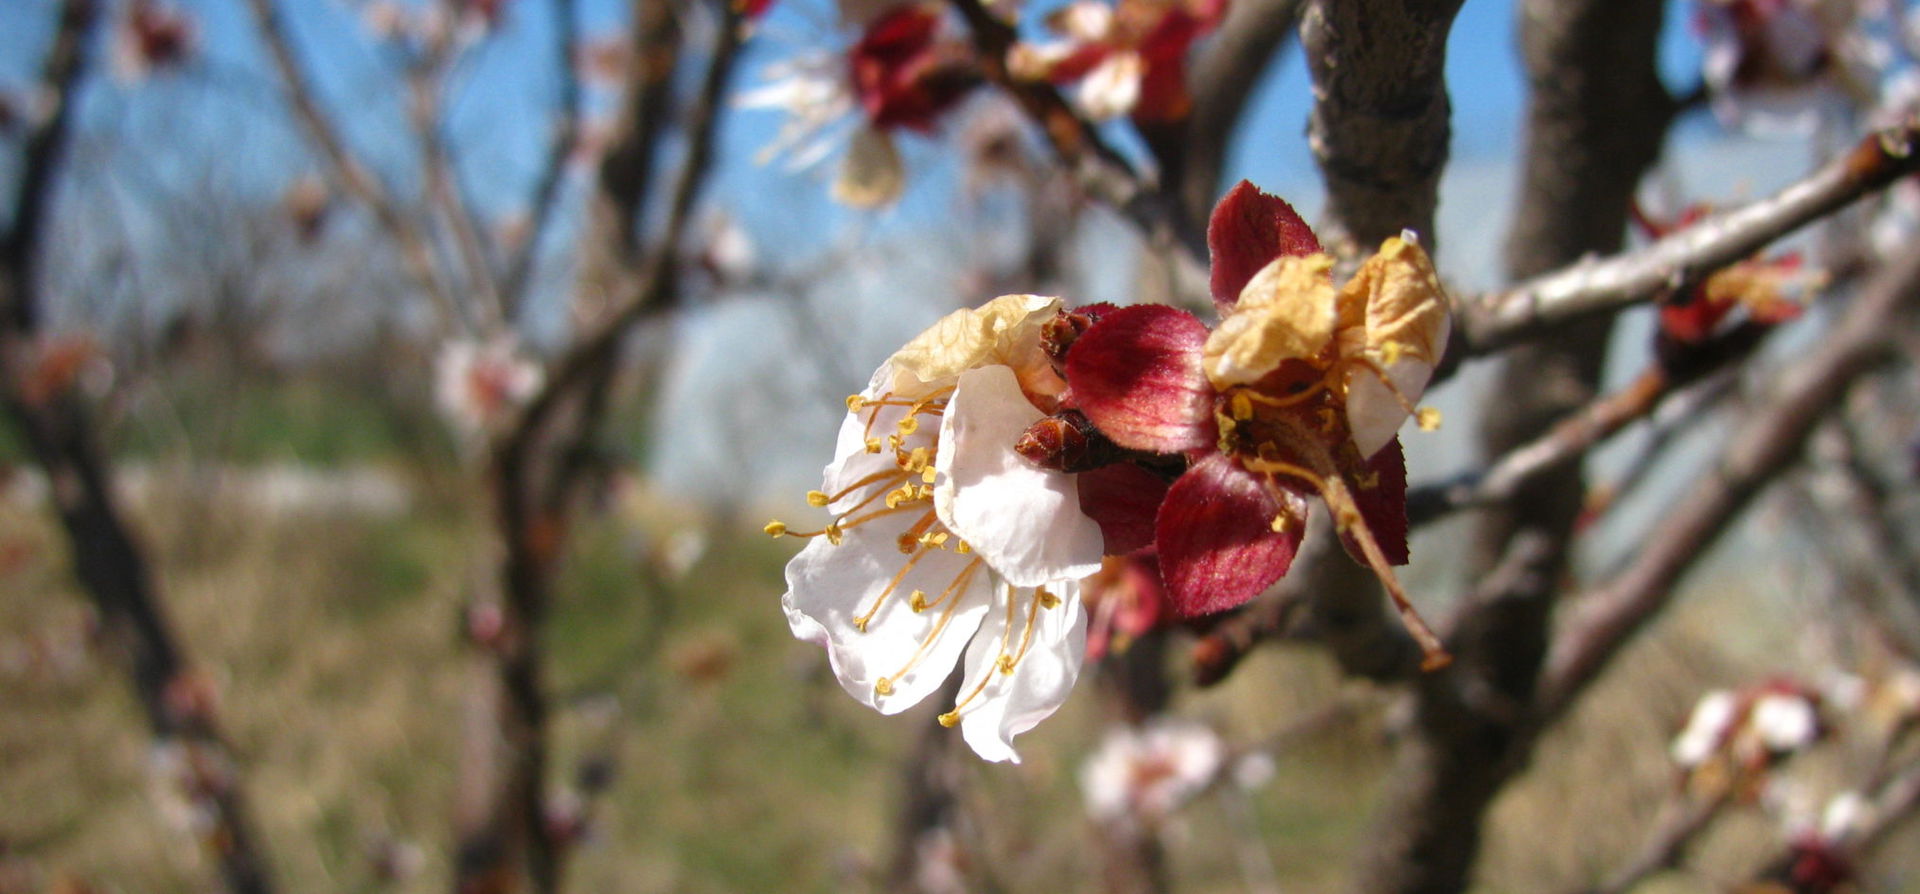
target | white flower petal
x=829, y=586
x=1024, y=520
x=1112, y=88
x=1374, y=412
x=1008, y=704
x=1706, y=729
x=1784, y=722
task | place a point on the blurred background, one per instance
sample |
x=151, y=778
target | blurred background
x=304, y=365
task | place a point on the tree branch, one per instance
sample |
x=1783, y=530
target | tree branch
x=1100, y=170
x=566, y=139
x=426, y=80
x=1670, y=264
x=1380, y=122
x=106, y=558
x=1769, y=441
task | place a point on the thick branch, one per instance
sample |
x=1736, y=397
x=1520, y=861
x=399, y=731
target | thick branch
x=1380, y=123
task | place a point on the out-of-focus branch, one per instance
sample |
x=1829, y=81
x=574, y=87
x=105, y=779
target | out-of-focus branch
x=346, y=172
x=1596, y=115
x=565, y=141
x=426, y=84
x=108, y=562
x=1593, y=287
x=1379, y=127
x=1223, y=76
x=535, y=467
x=1570, y=438
x=1769, y=441
x=1100, y=170
x=1667, y=843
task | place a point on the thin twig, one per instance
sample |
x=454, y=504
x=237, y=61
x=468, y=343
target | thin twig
x=1576, y=434
x=1670, y=264
x=1103, y=172
x=346, y=172
x=560, y=150
x=1666, y=844
x=426, y=82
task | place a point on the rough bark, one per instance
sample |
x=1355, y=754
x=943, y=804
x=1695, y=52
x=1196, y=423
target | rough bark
x=1596, y=117
x=1380, y=123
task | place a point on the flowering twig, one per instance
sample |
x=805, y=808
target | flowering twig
x=535, y=467
x=1766, y=444
x=565, y=140
x=1494, y=321
x=348, y=174
x=107, y=559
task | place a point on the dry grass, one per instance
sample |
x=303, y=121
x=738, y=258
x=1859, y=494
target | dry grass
x=344, y=680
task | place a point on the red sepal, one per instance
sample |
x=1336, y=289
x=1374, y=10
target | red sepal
x=1216, y=540
x=1248, y=230
x=1137, y=375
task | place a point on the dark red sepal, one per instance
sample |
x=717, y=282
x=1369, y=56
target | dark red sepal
x=1137, y=375
x=1216, y=540
x=1248, y=230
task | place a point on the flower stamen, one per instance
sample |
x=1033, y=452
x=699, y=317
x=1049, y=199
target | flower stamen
x=884, y=685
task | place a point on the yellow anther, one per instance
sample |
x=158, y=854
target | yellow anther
x=1046, y=597
x=934, y=539
x=907, y=543
x=860, y=624
x=963, y=548
x=950, y=719
x=775, y=528
x=817, y=498
x=856, y=403
x=883, y=686
x=834, y=534
x=909, y=424
x=1240, y=406
x=1390, y=353
x=1367, y=480
x=923, y=492
x=873, y=445
x=918, y=459
x=918, y=601
x=928, y=474
x=893, y=441
x=1428, y=418
x=1005, y=664
x=1280, y=524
